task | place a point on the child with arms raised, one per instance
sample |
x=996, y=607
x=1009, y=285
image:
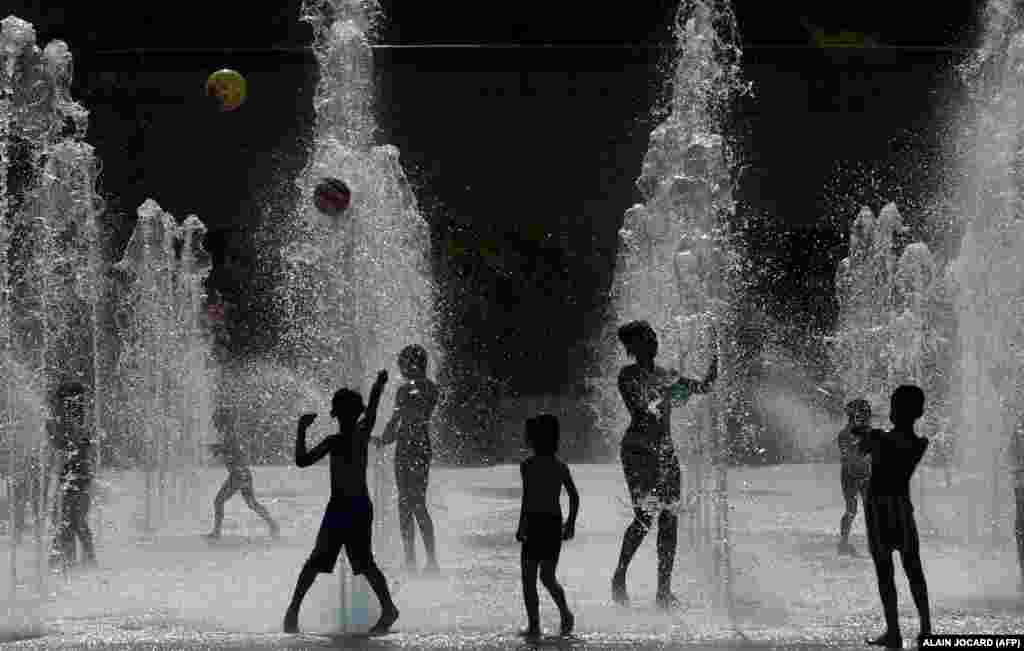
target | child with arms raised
x=348, y=519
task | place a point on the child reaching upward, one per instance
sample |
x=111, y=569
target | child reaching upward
x=239, y=477
x=410, y=427
x=889, y=513
x=540, y=521
x=348, y=519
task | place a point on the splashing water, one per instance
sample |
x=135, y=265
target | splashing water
x=53, y=282
x=358, y=287
x=675, y=257
x=986, y=276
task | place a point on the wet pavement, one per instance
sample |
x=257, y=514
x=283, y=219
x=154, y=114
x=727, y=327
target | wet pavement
x=792, y=591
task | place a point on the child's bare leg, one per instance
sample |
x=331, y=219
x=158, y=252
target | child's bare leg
x=530, y=597
x=635, y=534
x=427, y=531
x=250, y=500
x=887, y=591
x=668, y=528
x=389, y=613
x=550, y=581
x=846, y=523
x=227, y=489
x=80, y=524
x=306, y=578
x=918, y=587
x=407, y=527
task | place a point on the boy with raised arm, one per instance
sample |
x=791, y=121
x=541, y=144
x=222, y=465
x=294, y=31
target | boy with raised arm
x=348, y=519
x=541, y=529
x=889, y=514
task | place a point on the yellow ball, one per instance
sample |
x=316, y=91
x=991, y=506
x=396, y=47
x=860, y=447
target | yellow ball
x=228, y=87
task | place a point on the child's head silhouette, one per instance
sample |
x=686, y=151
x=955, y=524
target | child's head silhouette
x=412, y=361
x=346, y=405
x=542, y=433
x=639, y=339
x=906, y=404
x=859, y=411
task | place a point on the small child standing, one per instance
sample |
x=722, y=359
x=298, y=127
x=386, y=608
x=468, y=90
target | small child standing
x=239, y=477
x=71, y=440
x=889, y=514
x=541, y=529
x=855, y=467
x=410, y=427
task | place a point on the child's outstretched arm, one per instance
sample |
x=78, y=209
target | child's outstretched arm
x=685, y=387
x=390, y=434
x=369, y=418
x=574, y=505
x=304, y=458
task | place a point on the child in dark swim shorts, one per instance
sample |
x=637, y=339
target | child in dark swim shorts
x=889, y=514
x=348, y=520
x=541, y=529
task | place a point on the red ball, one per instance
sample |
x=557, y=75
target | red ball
x=332, y=196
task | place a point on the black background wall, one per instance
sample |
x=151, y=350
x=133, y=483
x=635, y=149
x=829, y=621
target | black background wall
x=531, y=152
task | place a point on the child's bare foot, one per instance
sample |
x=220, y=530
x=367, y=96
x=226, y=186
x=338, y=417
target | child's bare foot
x=530, y=633
x=887, y=640
x=667, y=601
x=291, y=622
x=568, y=621
x=387, y=618
x=213, y=535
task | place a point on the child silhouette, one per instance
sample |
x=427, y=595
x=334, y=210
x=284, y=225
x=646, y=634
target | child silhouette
x=71, y=438
x=410, y=427
x=348, y=519
x=889, y=513
x=239, y=477
x=541, y=530
x=648, y=454
x=856, y=467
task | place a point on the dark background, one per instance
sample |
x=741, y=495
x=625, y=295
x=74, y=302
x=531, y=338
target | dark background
x=530, y=153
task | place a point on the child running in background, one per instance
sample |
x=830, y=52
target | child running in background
x=889, y=514
x=239, y=476
x=348, y=519
x=410, y=427
x=540, y=520
x=856, y=467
